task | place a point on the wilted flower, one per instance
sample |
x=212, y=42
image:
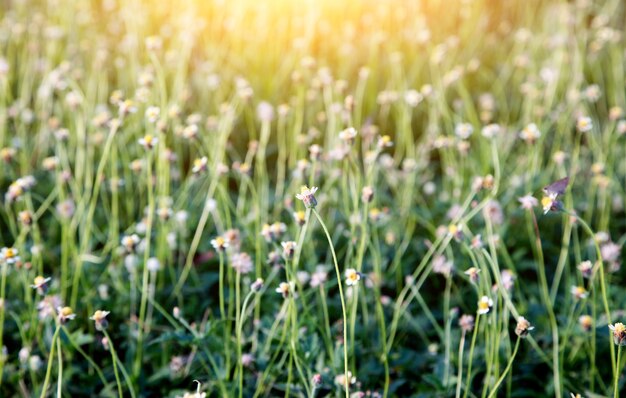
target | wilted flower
x=523, y=327
x=466, y=323
x=619, y=333
x=99, y=317
x=484, y=305
x=352, y=277
x=307, y=195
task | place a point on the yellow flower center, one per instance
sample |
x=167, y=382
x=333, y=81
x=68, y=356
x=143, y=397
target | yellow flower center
x=9, y=253
x=66, y=311
x=39, y=280
x=99, y=315
x=483, y=305
x=546, y=201
x=148, y=139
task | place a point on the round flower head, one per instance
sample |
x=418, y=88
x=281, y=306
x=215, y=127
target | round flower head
x=463, y=130
x=219, y=243
x=25, y=217
x=307, y=196
x=530, y=133
x=352, y=277
x=585, y=322
x=148, y=141
x=584, y=124
x=152, y=113
x=484, y=305
x=99, y=317
x=528, y=202
x=65, y=314
x=348, y=135
x=344, y=380
x=200, y=165
x=41, y=284
x=300, y=217
x=549, y=203
x=619, y=333
x=586, y=268
x=579, y=292
x=466, y=322
x=289, y=248
x=285, y=288
x=523, y=327
x=9, y=255
x=242, y=263
x=130, y=242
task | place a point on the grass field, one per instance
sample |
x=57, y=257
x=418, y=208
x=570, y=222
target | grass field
x=312, y=198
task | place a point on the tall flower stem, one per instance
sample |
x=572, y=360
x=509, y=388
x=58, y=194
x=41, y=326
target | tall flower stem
x=144, y=285
x=545, y=295
x=617, y=364
x=603, y=289
x=241, y=320
x=114, y=359
x=343, y=304
x=471, y=357
x=50, y=358
x=459, y=378
x=494, y=391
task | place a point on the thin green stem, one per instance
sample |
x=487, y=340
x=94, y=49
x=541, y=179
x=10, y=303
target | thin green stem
x=343, y=304
x=494, y=391
x=114, y=359
x=46, y=381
